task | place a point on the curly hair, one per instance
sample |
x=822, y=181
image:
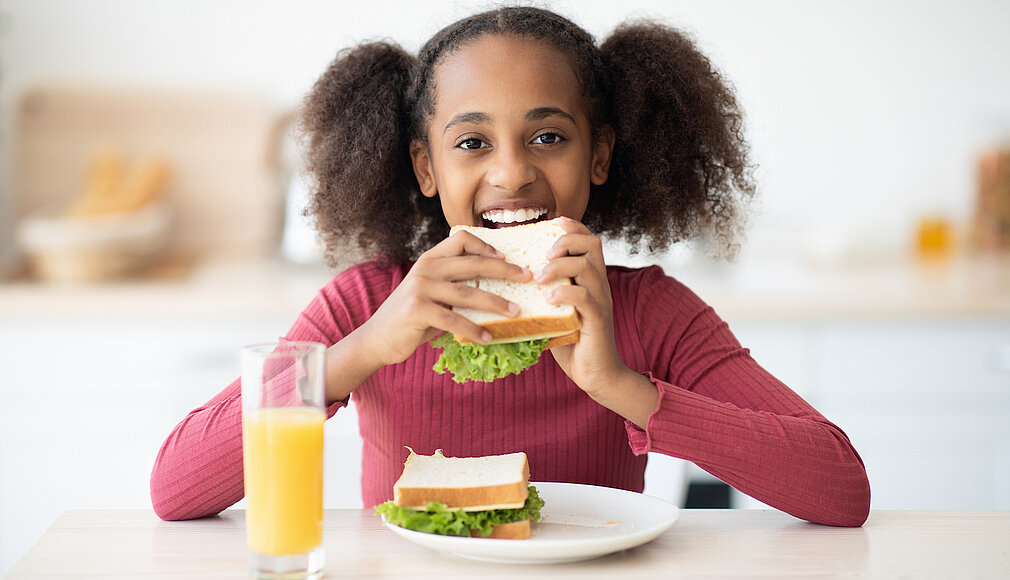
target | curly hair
x=679, y=171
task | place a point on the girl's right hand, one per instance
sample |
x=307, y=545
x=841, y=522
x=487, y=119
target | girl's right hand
x=421, y=306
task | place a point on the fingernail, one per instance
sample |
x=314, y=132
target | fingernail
x=513, y=308
x=485, y=336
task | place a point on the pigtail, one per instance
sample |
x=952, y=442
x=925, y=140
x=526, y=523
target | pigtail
x=356, y=127
x=679, y=167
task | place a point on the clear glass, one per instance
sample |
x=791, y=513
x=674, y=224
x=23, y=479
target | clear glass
x=283, y=410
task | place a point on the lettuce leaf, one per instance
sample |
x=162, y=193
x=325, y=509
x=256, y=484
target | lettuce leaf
x=485, y=362
x=439, y=519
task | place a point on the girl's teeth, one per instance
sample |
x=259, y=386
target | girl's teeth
x=508, y=216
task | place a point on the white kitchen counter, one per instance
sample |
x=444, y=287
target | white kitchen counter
x=214, y=287
x=976, y=288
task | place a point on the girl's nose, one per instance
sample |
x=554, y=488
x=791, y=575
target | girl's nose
x=511, y=169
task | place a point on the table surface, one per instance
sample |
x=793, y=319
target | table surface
x=703, y=543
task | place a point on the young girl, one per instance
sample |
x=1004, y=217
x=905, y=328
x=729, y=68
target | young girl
x=518, y=109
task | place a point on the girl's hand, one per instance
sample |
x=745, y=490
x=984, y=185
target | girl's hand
x=592, y=363
x=421, y=306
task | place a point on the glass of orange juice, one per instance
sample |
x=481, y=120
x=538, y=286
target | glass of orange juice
x=283, y=409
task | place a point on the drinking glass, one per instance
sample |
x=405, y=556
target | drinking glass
x=283, y=409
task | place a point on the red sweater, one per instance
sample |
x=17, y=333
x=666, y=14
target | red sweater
x=717, y=408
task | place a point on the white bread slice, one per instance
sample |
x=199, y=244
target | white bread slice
x=469, y=483
x=527, y=246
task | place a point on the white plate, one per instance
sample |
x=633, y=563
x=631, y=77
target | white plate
x=577, y=522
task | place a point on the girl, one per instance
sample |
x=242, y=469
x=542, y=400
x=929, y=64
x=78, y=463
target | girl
x=518, y=108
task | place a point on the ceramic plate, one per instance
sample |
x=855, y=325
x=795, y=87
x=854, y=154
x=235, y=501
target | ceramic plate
x=577, y=522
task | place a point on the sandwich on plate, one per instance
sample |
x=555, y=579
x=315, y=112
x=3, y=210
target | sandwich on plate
x=487, y=497
x=516, y=343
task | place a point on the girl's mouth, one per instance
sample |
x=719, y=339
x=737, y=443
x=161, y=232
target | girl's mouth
x=503, y=218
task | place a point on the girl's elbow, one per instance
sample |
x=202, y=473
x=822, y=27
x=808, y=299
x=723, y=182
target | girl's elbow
x=163, y=509
x=853, y=518
x=861, y=510
x=174, y=511
x=855, y=509
x=167, y=503
x=167, y=506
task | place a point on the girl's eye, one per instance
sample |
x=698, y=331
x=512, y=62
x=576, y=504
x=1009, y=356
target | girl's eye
x=471, y=143
x=548, y=139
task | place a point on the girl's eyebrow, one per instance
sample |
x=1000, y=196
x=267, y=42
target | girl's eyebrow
x=538, y=114
x=541, y=113
x=472, y=117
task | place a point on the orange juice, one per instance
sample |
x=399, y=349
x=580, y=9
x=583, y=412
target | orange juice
x=283, y=458
x=934, y=237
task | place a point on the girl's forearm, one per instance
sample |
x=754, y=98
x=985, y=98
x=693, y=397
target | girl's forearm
x=348, y=363
x=631, y=395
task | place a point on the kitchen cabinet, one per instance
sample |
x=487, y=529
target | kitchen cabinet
x=930, y=402
x=925, y=401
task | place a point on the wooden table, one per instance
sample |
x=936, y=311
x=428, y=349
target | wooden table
x=704, y=543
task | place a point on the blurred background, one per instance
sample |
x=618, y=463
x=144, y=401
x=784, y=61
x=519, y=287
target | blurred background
x=150, y=225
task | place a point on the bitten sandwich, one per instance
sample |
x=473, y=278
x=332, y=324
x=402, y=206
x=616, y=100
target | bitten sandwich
x=486, y=497
x=516, y=343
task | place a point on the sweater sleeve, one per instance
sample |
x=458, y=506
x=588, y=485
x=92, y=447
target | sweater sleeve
x=721, y=410
x=198, y=470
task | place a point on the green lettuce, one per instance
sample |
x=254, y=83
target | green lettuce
x=485, y=362
x=439, y=519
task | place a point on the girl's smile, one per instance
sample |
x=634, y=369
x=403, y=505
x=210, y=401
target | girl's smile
x=509, y=140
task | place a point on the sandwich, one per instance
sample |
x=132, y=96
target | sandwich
x=488, y=497
x=517, y=342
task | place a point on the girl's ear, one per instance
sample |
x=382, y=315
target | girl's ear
x=421, y=161
x=603, y=149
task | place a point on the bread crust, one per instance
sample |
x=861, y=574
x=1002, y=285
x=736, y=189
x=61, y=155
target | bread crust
x=546, y=326
x=505, y=496
x=520, y=530
x=570, y=338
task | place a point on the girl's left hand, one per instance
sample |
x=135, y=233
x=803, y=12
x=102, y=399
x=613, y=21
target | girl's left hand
x=593, y=362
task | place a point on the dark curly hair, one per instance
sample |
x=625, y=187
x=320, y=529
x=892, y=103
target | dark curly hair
x=679, y=170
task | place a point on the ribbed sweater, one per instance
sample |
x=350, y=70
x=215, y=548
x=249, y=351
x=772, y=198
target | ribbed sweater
x=717, y=408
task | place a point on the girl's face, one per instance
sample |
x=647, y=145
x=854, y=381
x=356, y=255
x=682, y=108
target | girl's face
x=509, y=140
